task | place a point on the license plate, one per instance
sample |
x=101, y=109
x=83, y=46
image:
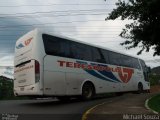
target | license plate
x=22, y=89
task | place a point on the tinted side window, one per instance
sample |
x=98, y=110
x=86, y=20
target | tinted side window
x=126, y=61
x=97, y=56
x=143, y=65
x=81, y=51
x=145, y=71
x=135, y=63
x=114, y=58
x=130, y=62
x=56, y=46
x=65, y=49
x=87, y=50
x=105, y=54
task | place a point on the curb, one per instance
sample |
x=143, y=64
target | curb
x=146, y=105
x=84, y=117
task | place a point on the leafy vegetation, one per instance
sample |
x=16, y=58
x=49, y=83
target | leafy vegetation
x=154, y=103
x=144, y=31
x=6, y=88
x=154, y=79
x=156, y=70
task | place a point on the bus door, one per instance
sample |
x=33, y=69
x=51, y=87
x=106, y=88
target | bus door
x=54, y=77
x=145, y=71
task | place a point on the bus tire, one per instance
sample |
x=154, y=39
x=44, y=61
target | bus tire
x=140, y=88
x=88, y=91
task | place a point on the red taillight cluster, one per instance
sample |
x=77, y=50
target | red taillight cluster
x=37, y=71
x=37, y=67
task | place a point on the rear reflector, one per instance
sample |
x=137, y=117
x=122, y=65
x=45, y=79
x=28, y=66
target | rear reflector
x=37, y=71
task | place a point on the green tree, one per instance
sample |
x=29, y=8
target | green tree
x=6, y=89
x=144, y=30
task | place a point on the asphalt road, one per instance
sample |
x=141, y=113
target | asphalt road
x=47, y=109
x=117, y=109
x=53, y=109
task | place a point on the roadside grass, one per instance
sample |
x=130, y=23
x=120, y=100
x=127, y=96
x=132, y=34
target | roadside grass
x=154, y=79
x=154, y=103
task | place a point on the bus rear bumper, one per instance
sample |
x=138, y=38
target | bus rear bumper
x=28, y=90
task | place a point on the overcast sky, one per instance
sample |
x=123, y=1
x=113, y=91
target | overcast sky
x=80, y=19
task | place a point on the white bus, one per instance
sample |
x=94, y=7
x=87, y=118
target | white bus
x=54, y=65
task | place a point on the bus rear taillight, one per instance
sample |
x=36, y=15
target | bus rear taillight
x=37, y=71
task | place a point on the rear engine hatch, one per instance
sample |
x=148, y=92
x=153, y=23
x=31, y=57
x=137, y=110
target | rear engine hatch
x=25, y=73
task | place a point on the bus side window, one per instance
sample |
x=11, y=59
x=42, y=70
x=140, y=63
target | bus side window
x=114, y=58
x=65, y=48
x=80, y=51
x=135, y=63
x=73, y=49
x=145, y=71
x=143, y=65
x=97, y=56
x=126, y=61
x=87, y=52
x=105, y=54
x=56, y=46
x=52, y=45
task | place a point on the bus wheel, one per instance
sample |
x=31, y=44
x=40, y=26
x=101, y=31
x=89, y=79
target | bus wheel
x=88, y=91
x=140, y=88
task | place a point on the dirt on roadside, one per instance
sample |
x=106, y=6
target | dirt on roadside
x=124, y=107
x=155, y=89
